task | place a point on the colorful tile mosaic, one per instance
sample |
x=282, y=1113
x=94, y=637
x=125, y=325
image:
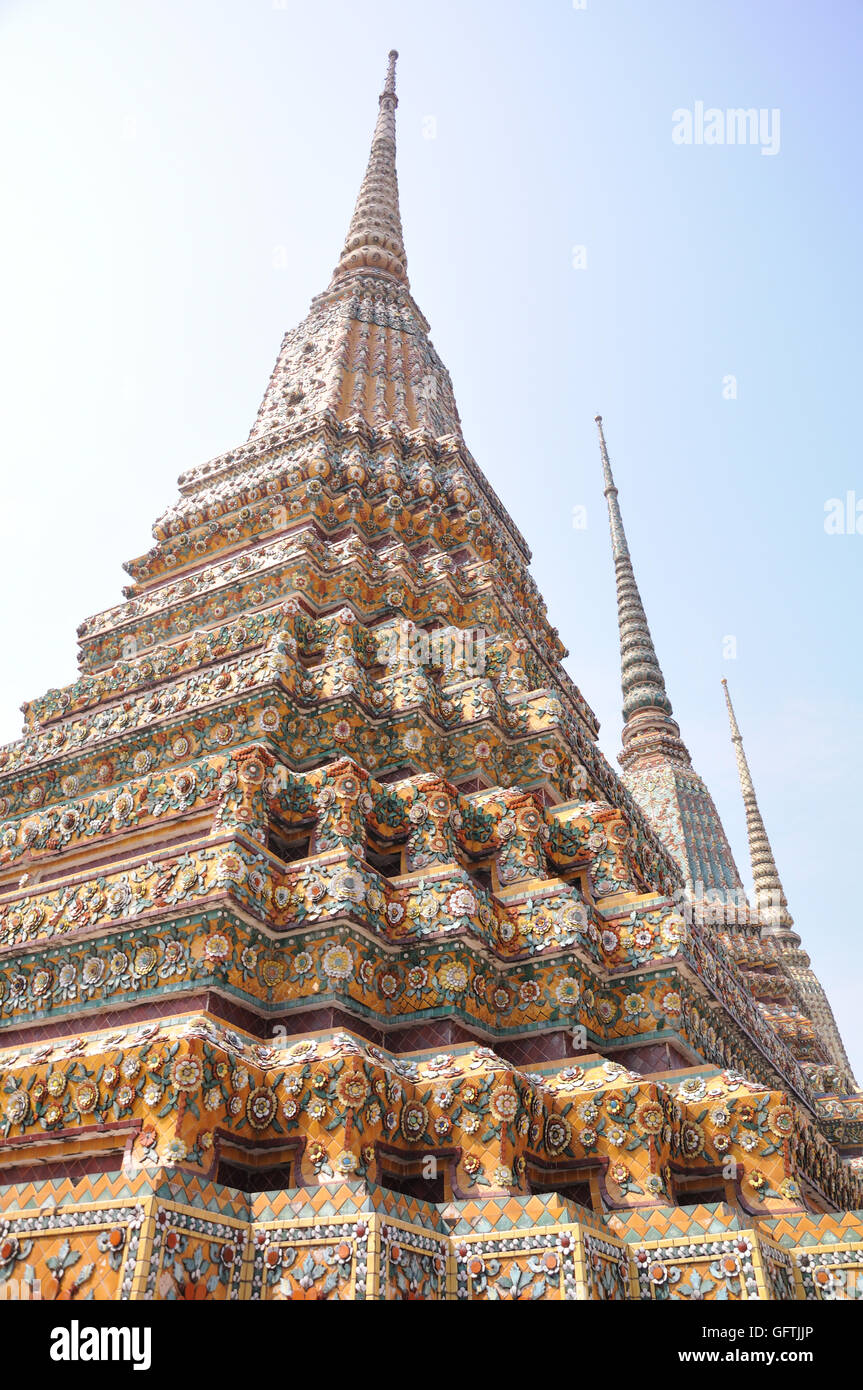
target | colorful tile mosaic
x=336, y=962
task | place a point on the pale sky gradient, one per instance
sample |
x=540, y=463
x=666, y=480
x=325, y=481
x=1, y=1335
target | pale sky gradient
x=155, y=157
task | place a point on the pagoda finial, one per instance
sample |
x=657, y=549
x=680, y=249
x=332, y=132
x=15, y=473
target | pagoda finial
x=390, y=84
x=618, y=535
x=374, y=243
x=770, y=898
x=646, y=706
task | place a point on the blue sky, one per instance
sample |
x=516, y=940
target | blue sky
x=179, y=177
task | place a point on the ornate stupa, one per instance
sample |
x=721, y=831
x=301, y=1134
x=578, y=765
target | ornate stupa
x=336, y=962
x=657, y=767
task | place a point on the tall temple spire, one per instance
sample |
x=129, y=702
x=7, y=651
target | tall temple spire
x=363, y=353
x=374, y=240
x=646, y=706
x=656, y=764
x=777, y=922
x=770, y=897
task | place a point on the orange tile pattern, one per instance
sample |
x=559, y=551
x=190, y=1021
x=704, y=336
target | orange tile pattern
x=367, y=1243
x=70, y=1254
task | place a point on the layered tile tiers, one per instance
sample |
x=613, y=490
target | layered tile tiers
x=151, y=1237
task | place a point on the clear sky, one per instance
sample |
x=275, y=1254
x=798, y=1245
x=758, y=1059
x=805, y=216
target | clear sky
x=178, y=177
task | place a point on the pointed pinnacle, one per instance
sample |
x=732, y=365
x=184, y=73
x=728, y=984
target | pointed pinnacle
x=769, y=894
x=645, y=701
x=618, y=535
x=374, y=242
x=390, y=83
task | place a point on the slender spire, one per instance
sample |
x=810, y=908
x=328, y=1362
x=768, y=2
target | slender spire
x=374, y=241
x=646, y=706
x=772, y=906
x=656, y=764
x=770, y=898
x=363, y=352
